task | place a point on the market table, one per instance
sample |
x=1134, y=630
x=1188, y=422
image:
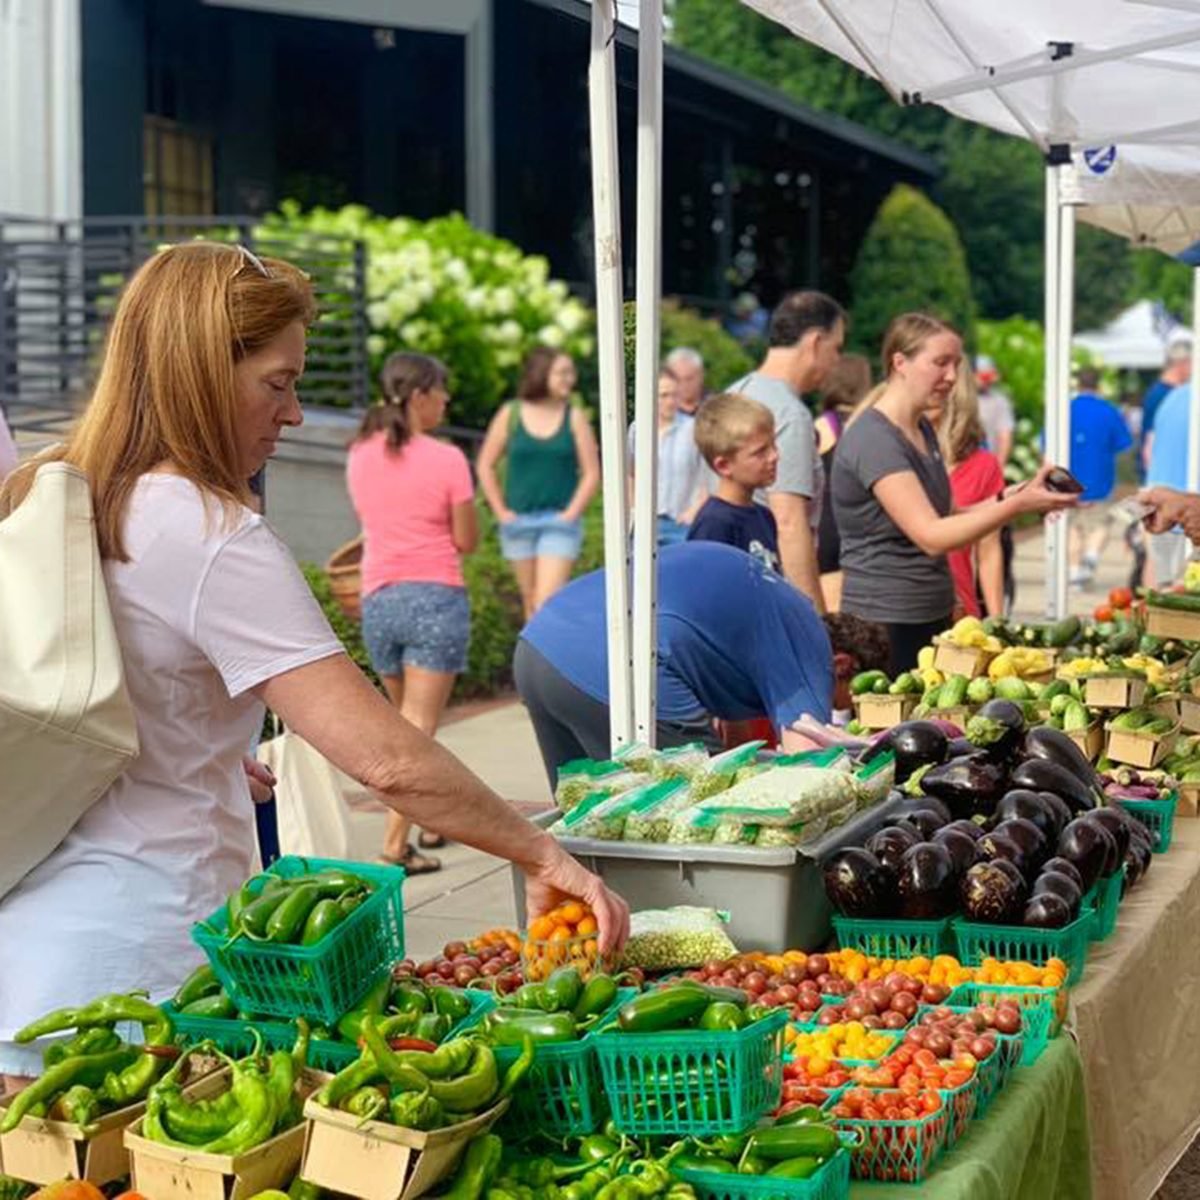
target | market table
x=1032, y=1145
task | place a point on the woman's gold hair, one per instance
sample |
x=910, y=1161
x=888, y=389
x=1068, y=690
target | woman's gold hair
x=906, y=334
x=166, y=391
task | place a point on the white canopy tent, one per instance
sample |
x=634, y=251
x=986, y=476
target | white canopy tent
x=1069, y=75
x=1136, y=338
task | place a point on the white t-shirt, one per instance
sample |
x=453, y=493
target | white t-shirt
x=203, y=612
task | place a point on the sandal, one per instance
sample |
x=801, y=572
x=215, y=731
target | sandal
x=430, y=841
x=413, y=861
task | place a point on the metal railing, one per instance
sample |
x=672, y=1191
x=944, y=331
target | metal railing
x=59, y=282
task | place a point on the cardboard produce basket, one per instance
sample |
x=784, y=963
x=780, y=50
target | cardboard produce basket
x=41, y=1151
x=971, y=661
x=1090, y=740
x=1189, y=800
x=375, y=1160
x=882, y=712
x=1111, y=690
x=1172, y=623
x=1189, y=713
x=1168, y=704
x=1137, y=749
x=181, y=1173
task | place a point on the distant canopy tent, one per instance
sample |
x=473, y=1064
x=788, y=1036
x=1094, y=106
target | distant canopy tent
x=1070, y=75
x=1136, y=338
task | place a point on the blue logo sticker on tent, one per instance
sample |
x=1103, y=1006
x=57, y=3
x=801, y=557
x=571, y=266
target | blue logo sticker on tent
x=1100, y=160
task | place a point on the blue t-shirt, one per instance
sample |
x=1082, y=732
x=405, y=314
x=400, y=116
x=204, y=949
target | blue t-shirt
x=1098, y=435
x=1156, y=393
x=735, y=639
x=1169, y=453
x=750, y=527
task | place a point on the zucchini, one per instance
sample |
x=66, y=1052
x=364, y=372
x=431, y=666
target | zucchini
x=1062, y=633
x=1056, y=687
x=1176, y=601
x=1134, y=719
x=865, y=681
x=1158, y=726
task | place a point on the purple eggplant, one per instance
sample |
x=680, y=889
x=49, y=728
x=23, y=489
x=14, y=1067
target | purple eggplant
x=1000, y=845
x=928, y=883
x=1032, y=806
x=1029, y=837
x=966, y=785
x=1046, y=775
x=997, y=728
x=890, y=843
x=1061, y=885
x=916, y=744
x=992, y=894
x=961, y=846
x=1087, y=847
x=1065, y=867
x=859, y=885
x=1117, y=822
x=1046, y=911
x=1052, y=745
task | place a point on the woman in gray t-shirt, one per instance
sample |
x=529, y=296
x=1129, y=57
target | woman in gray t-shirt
x=891, y=493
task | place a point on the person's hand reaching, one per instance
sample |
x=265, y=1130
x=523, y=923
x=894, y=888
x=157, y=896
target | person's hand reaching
x=261, y=779
x=1172, y=508
x=564, y=878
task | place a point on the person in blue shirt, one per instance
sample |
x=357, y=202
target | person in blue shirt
x=1167, y=467
x=1176, y=371
x=736, y=436
x=1098, y=435
x=736, y=641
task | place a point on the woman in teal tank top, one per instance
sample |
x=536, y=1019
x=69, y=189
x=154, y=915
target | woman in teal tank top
x=553, y=470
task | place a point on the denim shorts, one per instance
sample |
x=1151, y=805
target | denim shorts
x=541, y=535
x=423, y=625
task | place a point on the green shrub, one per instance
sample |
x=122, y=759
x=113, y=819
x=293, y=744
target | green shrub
x=910, y=260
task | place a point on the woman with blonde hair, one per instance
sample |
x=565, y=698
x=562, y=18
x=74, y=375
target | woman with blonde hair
x=416, y=504
x=975, y=476
x=198, y=383
x=895, y=509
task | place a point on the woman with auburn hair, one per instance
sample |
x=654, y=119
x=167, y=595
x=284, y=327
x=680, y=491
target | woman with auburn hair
x=553, y=470
x=415, y=500
x=975, y=476
x=197, y=384
x=895, y=509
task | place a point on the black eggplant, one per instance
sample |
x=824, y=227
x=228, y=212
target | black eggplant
x=1061, y=885
x=1086, y=847
x=973, y=830
x=1140, y=856
x=990, y=893
x=928, y=883
x=997, y=727
x=890, y=843
x=858, y=884
x=967, y=785
x=913, y=803
x=1000, y=845
x=1044, y=775
x=1032, y=806
x=1029, y=837
x=1011, y=870
x=1060, y=808
x=926, y=820
x=1059, y=479
x=1117, y=822
x=1065, y=867
x=1047, y=911
x=916, y=744
x=1052, y=745
x=956, y=747
x=961, y=846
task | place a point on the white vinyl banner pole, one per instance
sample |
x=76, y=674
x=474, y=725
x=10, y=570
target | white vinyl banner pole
x=1066, y=325
x=1193, y=458
x=649, y=292
x=1055, y=532
x=610, y=352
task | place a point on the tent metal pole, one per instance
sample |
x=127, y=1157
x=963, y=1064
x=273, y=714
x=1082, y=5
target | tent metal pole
x=610, y=353
x=1055, y=532
x=649, y=292
x=1193, y=458
x=1066, y=323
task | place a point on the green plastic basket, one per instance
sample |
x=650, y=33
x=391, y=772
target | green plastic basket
x=1043, y=1011
x=1105, y=898
x=562, y=1095
x=892, y=939
x=1158, y=816
x=690, y=1080
x=236, y=1037
x=963, y=1103
x=319, y=982
x=1011, y=943
x=991, y=1072
x=897, y=1151
x=831, y=1182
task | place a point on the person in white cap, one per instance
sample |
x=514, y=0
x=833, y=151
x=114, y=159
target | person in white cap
x=995, y=409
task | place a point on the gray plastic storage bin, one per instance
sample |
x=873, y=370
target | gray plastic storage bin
x=775, y=897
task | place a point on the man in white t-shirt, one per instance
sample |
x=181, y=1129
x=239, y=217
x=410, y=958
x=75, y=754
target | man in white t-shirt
x=805, y=338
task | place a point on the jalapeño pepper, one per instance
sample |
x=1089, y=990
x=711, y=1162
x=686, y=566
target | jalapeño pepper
x=665, y=1008
x=450, y=1003
x=778, y=1143
x=326, y=916
x=287, y=920
x=509, y=1026
x=563, y=989
x=598, y=993
x=349, y=1025
x=201, y=982
x=722, y=1016
x=432, y=1027
x=218, y=1006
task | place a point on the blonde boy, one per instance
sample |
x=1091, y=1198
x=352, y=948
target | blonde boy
x=736, y=435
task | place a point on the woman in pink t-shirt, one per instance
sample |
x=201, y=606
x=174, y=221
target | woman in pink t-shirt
x=414, y=498
x=975, y=476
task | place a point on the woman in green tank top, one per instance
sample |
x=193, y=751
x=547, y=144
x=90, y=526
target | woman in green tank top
x=553, y=470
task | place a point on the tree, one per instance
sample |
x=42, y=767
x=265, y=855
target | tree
x=910, y=259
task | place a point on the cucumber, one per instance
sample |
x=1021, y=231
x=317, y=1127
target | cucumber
x=1158, y=726
x=1076, y=717
x=1056, y=687
x=953, y=693
x=1121, y=643
x=1135, y=718
x=1060, y=704
x=1012, y=688
x=979, y=691
x=1176, y=601
x=1062, y=633
x=865, y=681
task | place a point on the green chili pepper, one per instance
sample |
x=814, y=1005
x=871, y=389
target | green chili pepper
x=518, y=1069
x=529, y=995
x=703, y=1162
x=98, y=1039
x=89, y=1070
x=804, y=1115
x=407, y=996
x=721, y=1016
x=509, y=1026
x=448, y=1060
x=433, y=1027
x=286, y=922
x=796, y=1168
x=779, y=1142
x=201, y=982
x=301, y=1189
x=563, y=989
x=475, y=1088
x=598, y=994
x=257, y=914
x=366, y=1102
x=326, y=916
x=665, y=1008
x=350, y=1024
x=218, y=1006
x=79, y=1105
x=477, y=1169
x=259, y=1112
x=450, y=1002
x=349, y=1079
x=597, y=1148
x=417, y=1110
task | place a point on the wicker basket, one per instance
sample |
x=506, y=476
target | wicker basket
x=344, y=569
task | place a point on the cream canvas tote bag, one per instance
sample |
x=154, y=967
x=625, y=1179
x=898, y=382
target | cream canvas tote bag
x=67, y=728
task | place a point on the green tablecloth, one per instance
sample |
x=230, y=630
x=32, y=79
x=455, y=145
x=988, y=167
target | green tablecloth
x=1032, y=1145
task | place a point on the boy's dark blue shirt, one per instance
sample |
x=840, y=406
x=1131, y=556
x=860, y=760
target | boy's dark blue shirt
x=749, y=527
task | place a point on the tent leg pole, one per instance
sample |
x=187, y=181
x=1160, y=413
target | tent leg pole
x=610, y=353
x=1066, y=322
x=649, y=293
x=1193, y=459
x=1055, y=532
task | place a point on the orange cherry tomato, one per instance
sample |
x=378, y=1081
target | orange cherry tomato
x=1120, y=597
x=1102, y=612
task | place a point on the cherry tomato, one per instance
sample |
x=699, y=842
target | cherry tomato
x=1120, y=597
x=1102, y=612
